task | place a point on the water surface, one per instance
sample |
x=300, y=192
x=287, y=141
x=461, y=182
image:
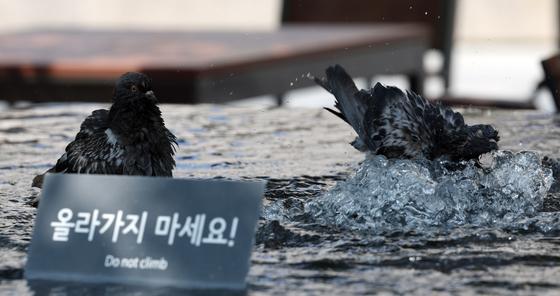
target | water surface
x=304, y=154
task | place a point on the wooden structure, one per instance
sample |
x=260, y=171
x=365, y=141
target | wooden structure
x=201, y=67
x=436, y=15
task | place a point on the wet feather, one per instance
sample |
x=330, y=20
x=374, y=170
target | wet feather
x=128, y=139
x=396, y=124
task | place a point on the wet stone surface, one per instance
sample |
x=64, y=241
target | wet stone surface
x=314, y=236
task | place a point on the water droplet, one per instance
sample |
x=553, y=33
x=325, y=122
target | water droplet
x=425, y=13
x=453, y=196
x=291, y=84
x=410, y=7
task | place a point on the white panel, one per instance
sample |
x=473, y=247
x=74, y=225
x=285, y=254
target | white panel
x=141, y=14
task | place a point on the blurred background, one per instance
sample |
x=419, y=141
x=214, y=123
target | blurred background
x=497, y=45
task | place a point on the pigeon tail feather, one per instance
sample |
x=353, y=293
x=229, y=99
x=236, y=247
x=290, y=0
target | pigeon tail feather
x=351, y=106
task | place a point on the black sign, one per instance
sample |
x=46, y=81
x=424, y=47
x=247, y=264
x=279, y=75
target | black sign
x=144, y=230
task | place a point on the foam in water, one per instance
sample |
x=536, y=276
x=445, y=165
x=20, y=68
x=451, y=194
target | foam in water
x=385, y=194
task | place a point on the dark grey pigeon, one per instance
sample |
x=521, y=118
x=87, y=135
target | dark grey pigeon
x=405, y=125
x=128, y=139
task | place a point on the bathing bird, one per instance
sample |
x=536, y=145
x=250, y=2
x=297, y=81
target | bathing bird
x=396, y=124
x=128, y=139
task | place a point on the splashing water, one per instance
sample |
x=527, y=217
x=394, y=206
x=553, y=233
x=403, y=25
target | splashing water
x=388, y=195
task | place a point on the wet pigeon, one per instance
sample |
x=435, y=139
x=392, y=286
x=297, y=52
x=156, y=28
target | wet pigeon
x=405, y=125
x=128, y=139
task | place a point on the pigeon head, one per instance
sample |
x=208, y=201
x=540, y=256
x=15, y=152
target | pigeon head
x=134, y=86
x=482, y=138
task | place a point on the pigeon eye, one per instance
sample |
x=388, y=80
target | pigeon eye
x=134, y=88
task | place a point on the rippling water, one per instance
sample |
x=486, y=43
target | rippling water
x=333, y=221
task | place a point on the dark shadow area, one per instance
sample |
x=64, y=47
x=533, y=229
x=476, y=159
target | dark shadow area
x=40, y=288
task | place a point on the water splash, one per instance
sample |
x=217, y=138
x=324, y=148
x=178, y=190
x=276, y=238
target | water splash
x=387, y=195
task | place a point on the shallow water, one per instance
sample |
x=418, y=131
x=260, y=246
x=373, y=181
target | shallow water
x=298, y=251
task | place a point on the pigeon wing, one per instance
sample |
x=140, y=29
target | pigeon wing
x=399, y=124
x=95, y=149
x=164, y=161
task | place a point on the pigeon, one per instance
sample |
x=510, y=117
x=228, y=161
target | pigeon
x=128, y=139
x=396, y=124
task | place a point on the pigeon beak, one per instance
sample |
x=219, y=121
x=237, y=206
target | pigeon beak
x=151, y=96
